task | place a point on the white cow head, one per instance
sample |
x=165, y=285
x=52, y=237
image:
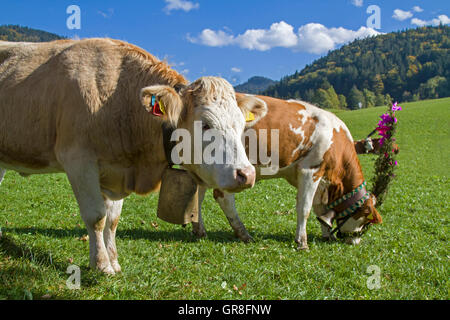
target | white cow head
x=207, y=112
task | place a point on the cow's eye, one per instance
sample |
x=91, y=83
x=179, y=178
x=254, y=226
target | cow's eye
x=205, y=127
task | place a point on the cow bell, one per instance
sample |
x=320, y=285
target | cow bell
x=178, y=197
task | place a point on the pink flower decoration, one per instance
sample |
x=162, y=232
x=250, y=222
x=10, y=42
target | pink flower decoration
x=395, y=107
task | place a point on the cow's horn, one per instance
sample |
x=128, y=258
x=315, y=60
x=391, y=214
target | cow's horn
x=327, y=218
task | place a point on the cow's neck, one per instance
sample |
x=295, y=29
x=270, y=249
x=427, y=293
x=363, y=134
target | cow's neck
x=353, y=176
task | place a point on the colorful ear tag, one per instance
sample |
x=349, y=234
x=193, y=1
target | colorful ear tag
x=157, y=107
x=370, y=218
x=249, y=117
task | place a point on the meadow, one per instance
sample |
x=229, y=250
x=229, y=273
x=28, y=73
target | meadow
x=43, y=234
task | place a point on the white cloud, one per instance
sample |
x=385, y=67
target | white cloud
x=442, y=19
x=280, y=34
x=234, y=69
x=312, y=37
x=401, y=15
x=358, y=3
x=212, y=38
x=108, y=14
x=418, y=22
x=316, y=38
x=180, y=5
x=417, y=9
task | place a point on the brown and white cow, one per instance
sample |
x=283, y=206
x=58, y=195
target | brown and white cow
x=77, y=107
x=316, y=155
x=369, y=145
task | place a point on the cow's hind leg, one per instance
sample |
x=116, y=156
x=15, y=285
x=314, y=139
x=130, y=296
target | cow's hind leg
x=83, y=175
x=113, y=210
x=307, y=187
x=198, y=228
x=227, y=203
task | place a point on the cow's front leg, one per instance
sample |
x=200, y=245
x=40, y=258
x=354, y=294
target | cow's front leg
x=83, y=175
x=198, y=228
x=306, y=189
x=113, y=210
x=227, y=203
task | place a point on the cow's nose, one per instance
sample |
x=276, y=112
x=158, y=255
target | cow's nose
x=246, y=177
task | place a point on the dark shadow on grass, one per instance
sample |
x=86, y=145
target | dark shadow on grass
x=181, y=234
x=42, y=257
x=184, y=235
x=33, y=254
x=286, y=237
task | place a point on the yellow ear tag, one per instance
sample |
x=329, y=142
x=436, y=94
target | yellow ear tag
x=370, y=216
x=249, y=117
x=162, y=107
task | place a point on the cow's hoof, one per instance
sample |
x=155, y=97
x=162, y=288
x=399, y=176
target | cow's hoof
x=116, y=267
x=302, y=245
x=198, y=230
x=244, y=237
x=247, y=238
x=104, y=268
x=108, y=270
x=199, y=234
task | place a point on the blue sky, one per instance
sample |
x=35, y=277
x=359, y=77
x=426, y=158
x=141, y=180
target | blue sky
x=235, y=39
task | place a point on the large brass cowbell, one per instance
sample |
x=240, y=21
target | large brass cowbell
x=178, y=195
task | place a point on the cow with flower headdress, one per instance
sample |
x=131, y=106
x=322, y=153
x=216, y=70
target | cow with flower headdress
x=317, y=155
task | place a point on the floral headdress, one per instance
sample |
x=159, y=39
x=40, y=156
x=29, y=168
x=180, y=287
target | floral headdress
x=386, y=162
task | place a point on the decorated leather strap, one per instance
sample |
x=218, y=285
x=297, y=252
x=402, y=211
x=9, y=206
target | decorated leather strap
x=355, y=206
x=350, y=202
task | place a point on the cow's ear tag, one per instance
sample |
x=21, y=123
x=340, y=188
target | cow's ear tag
x=158, y=108
x=249, y=117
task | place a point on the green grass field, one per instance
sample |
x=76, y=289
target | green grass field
x=42, y=230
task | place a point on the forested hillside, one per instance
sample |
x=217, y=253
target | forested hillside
x=403, y=66
x=18, y=33
x=255, y=85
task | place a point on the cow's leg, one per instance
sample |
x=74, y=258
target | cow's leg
x=2, y=175
x=198, y=228
x=83, y=175
x=306, y=189
x=113, y=210
x=227, y=203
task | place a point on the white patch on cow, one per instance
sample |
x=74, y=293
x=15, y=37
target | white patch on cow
x=299, y=132
x=322, y=136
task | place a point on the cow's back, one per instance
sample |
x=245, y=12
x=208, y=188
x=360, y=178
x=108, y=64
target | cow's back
x=49, y=93
x=304, y=129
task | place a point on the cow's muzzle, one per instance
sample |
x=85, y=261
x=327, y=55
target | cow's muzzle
x=244, y=179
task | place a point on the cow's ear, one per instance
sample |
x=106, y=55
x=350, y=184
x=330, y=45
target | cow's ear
x=373, y=216
x=169, y=102
x=253, y=108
